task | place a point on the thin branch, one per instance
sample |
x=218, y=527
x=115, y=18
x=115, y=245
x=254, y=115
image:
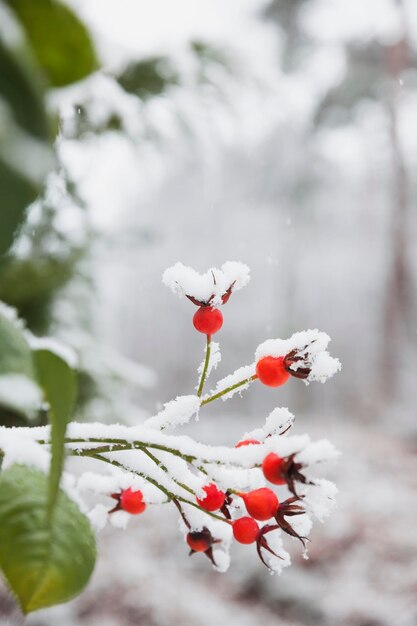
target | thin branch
x=205, y=368
x=218, y=395
x=171, y=496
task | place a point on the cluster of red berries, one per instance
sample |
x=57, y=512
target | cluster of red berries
x=261, y=505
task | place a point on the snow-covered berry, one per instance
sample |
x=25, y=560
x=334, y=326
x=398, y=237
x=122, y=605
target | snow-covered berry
x=213, y=500
x=262, y=504
x=132, y=501
x=245, y=530
x=271, y=371
x=272, y=467
x=247, y=442
x=208, y=320
x=199, y=541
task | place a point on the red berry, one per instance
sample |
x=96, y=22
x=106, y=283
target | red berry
x=272, y=469
x=208, y=320
x=247, y=442
x=213, y=500
x=262, y=504
x=132, y=501
x=199, y=541
x=271, y=371
x=245, y=530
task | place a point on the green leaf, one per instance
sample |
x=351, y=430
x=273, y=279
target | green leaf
x=58, y=382
x=15, y=353
x=19, y=391
x=45, y=562
x=148, y=77
x=25, y=153
x=60, y=41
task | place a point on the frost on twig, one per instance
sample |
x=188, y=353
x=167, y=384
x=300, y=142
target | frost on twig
x=215, y=358
x=175, y=413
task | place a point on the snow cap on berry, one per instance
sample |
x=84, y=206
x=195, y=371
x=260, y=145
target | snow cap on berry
x=213, y=287
x=305, y=355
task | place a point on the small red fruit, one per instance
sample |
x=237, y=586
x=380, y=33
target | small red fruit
x=271, y=371
x=245, y=530
x=199, y=541
x=132, y=501
x=213, y=500
x=262, y=504
x=272, y=469
x=208, y=320
x=247, y=442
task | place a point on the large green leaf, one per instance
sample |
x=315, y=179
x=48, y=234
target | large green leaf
x=25, y=153
x=58, y=382
x=44, y=561
x=61, y=42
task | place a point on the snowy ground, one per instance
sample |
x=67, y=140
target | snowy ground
x=361, y=571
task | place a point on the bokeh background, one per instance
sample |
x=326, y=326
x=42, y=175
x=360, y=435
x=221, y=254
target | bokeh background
x=282, y=134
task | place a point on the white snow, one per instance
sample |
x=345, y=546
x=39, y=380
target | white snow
x=212, y=285
x=214, y=360
x=20, y=393
x=175, y=412
x=10, y=314
x=65, y=352
x=99, y=516
x=277, y=422
x=242, y=373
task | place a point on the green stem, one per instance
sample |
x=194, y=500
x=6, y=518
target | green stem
x=205, y=368
x=218, y=395
x=171, y=496
x=162, y=466
x=123, y=448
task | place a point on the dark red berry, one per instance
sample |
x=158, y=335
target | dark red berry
x=272, y=469
x=262, y=504
x=208, y=320
x=213, y=500
x=245, y=530
x=247, y=442
x=132, y=501
x=199, y=541
x=271, y=371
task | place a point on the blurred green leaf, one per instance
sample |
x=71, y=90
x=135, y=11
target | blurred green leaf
x=15, y=353
x=45, y=562
x=148, y=77
x=25, y=155
x=58, y=382
x=19, y=391
x=60, y=41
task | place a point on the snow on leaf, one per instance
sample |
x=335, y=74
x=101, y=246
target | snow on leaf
x=66, y=353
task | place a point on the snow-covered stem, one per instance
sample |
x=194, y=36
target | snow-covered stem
x=205, y=368
x=223, y=392
x=170, y=496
